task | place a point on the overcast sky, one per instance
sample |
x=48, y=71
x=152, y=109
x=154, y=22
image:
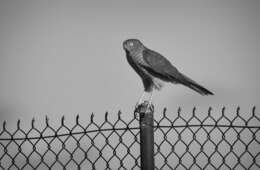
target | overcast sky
x=66, y=57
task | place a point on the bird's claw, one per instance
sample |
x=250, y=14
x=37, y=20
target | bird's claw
x=136, y=107
x=137, y=104
x=146, y=103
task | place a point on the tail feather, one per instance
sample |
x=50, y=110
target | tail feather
x=194, y=85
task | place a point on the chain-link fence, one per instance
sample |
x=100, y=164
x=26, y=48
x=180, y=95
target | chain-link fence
x=193, y=140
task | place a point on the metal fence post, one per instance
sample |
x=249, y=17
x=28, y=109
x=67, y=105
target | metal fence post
x=146, y=136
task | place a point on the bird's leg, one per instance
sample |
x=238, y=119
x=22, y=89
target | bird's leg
x=149, y=101
x=140, y=100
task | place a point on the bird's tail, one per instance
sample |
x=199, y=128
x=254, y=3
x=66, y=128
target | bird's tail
x=194, y=85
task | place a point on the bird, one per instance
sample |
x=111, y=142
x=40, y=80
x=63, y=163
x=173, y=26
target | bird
x=155, y=70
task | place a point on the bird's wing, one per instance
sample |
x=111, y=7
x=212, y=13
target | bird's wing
x=159, y=66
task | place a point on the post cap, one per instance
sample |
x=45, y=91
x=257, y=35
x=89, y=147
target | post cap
x=145, y=107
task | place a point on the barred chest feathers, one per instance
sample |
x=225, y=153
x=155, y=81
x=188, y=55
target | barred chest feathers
x=137, y=58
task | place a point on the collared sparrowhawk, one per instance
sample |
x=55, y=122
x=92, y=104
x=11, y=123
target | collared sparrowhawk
x=154, y=69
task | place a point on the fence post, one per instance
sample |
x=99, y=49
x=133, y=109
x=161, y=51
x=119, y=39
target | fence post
x=146, y=136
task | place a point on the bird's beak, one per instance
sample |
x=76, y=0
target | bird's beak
x=124, y=45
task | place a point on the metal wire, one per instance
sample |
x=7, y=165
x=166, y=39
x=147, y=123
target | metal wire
x=181, y=141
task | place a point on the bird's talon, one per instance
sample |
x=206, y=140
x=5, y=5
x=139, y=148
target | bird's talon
x=137, y=105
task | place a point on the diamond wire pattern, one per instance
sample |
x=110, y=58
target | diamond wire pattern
x=208, y=142
x=182, y=141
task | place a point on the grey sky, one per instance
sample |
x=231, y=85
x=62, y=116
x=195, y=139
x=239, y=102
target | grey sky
x=66, y=57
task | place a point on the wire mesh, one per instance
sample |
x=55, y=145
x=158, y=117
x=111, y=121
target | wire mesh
x=210, y=140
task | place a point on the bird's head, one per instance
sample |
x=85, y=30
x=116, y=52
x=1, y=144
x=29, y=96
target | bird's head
x=132, y=45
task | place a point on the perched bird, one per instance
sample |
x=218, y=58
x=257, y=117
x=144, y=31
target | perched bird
x=154, y=69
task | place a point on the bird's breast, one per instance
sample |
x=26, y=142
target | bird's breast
x=138, y=58
x=137, y=62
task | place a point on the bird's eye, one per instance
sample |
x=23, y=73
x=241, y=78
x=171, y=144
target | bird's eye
x=131, y=44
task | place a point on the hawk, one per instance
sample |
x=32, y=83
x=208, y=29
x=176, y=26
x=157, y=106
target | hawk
x=154, y=69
